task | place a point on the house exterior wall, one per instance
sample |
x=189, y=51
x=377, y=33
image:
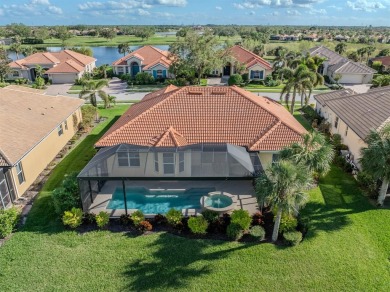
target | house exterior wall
x=258, y=68
x=266, y=158
x=126, y=69
x=22, y=74
x=60, y=78
x=35, y=161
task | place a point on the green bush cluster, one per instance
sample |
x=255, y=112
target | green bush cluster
x=257, y=232
x=67, y=196
x=137, y=217
x=73, y=218
x=210, y=215
x=287, y=223
x=234, y=231
x=8, y=220
x=310, y=114
x=144, y=78
x=198, y=225
x=174, y=217
x=235, y=79
x=292, y=237
x=20, y=81
x=241, y=218
x=102, y=219
x=368, y=184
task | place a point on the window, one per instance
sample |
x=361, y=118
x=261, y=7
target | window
x=181, y=161
x=159, y=74
x=15, y=73
x=126, y=159
x=19, y=172
x=156, y=168
x=275, y=157
x=66, y=125
x=256, y=74
x=60, y=130
x=169, y=163
x=336, y=122
x=346, y=131
x=5, y=199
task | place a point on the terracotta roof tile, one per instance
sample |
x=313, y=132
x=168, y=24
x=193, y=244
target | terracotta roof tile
x=149, y=55
x=248, y=58
x=68, y=66
x=190, y=115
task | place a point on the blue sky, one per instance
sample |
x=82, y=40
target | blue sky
x=262, y=12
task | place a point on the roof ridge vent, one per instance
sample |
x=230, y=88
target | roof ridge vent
x=195, y=92
x=219, y=91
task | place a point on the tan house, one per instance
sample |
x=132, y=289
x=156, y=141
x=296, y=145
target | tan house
x=33, y=128
x=60, y=67
x=353, y=115
x=256, y=67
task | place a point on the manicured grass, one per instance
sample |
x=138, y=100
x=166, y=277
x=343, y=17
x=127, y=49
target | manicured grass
x=203, y=82
x=76, y=87
x=346, y=249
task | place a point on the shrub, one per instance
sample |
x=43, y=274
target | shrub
x=210, y=215
x=174, y=217
x=310, y=114
x=235, y=79
x=67, y=196
x=102, y=219
x=367, y=183
x=303, y=225
x=198, y=225
x=287, y=223
x=137, y=217
x=292, y=237
x=89, y=218
x=125, y=220
x=257, y=218
x=73, y=218
x=245, y=77
x=242, y=218
x=144, y=78
x=144, y=226
x=234, y=231
x=8, y=220
x=160, y=219
x=257, y=232
x=39, y=83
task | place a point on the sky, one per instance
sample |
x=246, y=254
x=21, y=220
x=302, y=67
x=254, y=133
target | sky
x=188, y=12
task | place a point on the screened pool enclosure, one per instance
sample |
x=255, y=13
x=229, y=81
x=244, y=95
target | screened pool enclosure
x=126, y=162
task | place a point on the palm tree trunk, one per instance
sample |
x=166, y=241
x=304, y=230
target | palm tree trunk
x=383, y=192
x=293, y=101
x=278, y=218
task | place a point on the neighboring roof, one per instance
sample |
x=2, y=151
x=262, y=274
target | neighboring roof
x=56, y=59
x=339, y=64
x=27, y=117
x=149, y=55
x=385, y=60
x=363, y=112
x=67, y=67
x=173, y=117
x=248, y=58
x=323, y=97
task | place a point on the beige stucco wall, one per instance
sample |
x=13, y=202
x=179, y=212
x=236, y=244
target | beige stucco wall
x=265, y=158
x=42, y=154
x=259, y=68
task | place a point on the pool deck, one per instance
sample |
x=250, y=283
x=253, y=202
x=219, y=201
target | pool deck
x=246, y=198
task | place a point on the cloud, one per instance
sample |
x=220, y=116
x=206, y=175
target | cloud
x=365, y=5
x=143, y=12
x=1, y=12
x=31, y=8
x=317, y=11
x=293, y=12
x=338, y=8
x=54, y=10
x=275, y=3
x=218, y=7
x=40, y=2
x=169, y=2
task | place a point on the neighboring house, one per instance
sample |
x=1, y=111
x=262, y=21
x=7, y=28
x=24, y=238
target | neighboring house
x=384, y=60
x=6, y=41
x=190, y=133
x=351, y=72
x=256, y=67
x=146, y=59
x=61, y=67
x=33, y=128
x=353, y=115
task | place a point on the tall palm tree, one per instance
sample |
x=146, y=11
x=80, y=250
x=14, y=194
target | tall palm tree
x=369, y=51
x=376, y=158
x=282, y=186
x=91, y=89
x=314, y=151
x=341, y=48
x=361, y=52
x=299, y=80
x=16, y=48
x=124, y=49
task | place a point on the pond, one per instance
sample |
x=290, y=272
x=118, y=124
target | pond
x=104, y=55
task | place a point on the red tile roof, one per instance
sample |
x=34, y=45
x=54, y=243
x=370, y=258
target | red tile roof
x=385, y=60
x=69, y=66
x=149, y=55
x=183, y=116
x=248, y=58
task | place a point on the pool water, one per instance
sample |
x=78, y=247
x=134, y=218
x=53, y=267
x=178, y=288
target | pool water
x=156, y=201
x=218, y=201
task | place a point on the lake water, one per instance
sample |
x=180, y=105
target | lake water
x=104, y=55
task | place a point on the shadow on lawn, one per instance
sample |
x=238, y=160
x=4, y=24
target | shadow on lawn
x=176, y=262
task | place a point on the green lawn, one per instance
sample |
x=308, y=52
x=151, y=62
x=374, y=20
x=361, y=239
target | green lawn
x=346, y=249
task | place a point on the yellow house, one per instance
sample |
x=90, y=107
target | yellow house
x=33, y=128
x=353, y=115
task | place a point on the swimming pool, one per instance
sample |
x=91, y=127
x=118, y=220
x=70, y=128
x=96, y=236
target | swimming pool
x=157, y=201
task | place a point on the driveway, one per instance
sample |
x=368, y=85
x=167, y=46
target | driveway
x=358, y=88
x=118, y=88
x=59, y=89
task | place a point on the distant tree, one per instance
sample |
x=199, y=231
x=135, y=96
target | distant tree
x=28, y=50
x=5, y=69
x=108, y=33
x=16, y=47
x=18, y=29
x=384, y=52
x=124, y=48
x=144, y=33
x=62, y=33
x=181, y=33
x=41, y=33
x=341, y=48
x=83, y=50
x=361, y=52
x=369, y=51
x=353, y=55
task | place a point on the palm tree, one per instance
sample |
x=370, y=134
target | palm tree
x=299, y=80
x=314, y=151
x=39, y=71
x=124, y=49
x=91, y=89
x=369, y=51
x=381, y=80
x=282, y=187
x=376, y=158
x=17, y=48
x=103, y=70
x=361, y=52
x=341, y=48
